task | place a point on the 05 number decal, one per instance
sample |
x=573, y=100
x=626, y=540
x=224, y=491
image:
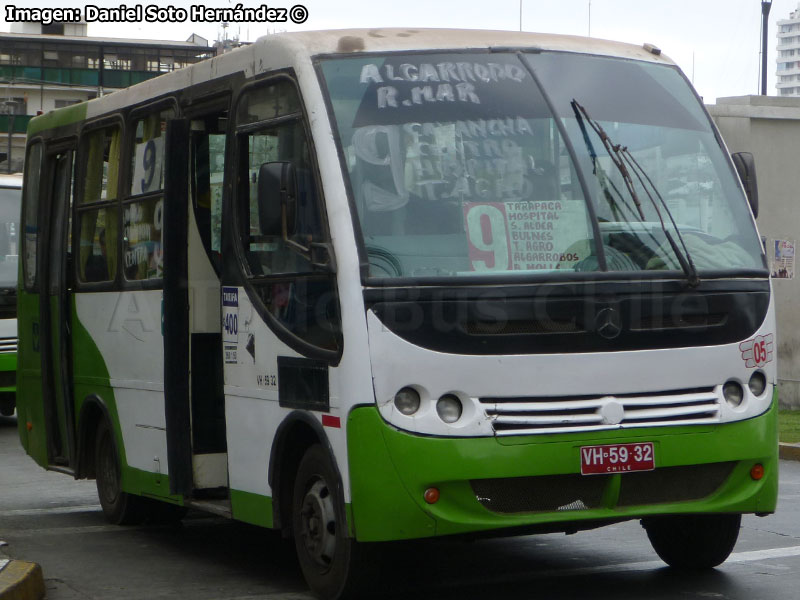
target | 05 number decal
x=758, y=351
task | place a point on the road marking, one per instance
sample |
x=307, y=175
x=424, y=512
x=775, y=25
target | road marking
x=736, y=557
x=52, y=510
x=764, y=554
x=3, y=563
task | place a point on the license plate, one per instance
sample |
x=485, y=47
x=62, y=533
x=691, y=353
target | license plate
x=617, y=458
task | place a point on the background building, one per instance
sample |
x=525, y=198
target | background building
x=769, y=127
x=788, y=48
x=43, y=67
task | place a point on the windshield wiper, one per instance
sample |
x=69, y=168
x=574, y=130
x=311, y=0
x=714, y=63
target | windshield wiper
x=622, y=158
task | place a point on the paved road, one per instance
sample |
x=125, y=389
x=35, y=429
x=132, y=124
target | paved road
x=51, y=519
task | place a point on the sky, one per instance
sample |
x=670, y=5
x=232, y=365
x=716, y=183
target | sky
x=715, y=42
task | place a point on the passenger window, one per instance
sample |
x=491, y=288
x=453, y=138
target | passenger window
x=141, y=240
x=98, y=245
x=142, y=219
x=100, y=151
x=147, y=157
x=33, y=166
x=299, y=296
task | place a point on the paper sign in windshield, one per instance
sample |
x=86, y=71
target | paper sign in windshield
x=523, y=235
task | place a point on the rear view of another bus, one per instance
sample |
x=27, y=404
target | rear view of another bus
x=10, y=198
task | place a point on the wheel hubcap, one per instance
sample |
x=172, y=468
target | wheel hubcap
x=318, y=523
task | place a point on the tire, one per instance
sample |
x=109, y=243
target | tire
x=119, y=508
x=330, y=560
x=693, y=541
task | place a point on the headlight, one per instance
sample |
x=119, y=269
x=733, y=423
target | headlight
x=449, y=408
x=757, y=383
x=407, y=401
x=733, y=393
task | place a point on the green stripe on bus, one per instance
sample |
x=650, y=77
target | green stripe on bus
x=251, y=508
x=58, y=118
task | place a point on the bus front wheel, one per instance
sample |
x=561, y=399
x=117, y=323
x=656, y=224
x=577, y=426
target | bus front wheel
x=119, y=508
x=327, y=555
x=693, y=541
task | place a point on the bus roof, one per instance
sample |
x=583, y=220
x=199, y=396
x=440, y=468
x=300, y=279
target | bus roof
x=404, y=39
x=276, y=51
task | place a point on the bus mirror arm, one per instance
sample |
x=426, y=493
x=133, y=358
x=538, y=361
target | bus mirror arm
x=746, y=168
x=321, y=257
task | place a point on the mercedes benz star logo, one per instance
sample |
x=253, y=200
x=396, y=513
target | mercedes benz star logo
x=608, y=323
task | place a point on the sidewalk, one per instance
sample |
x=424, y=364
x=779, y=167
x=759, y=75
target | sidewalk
x=20, y=580
x=789, y=451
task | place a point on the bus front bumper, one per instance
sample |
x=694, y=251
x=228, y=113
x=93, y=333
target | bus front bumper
x=531, y=482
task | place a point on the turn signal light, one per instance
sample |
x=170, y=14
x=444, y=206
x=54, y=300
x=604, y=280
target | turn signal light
x=757, y=472
x=431, y=495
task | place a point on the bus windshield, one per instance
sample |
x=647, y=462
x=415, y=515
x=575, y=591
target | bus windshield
x=478, y=164
x=10, y=200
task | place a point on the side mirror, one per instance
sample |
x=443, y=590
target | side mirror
x=277, y=199
x=746, y=168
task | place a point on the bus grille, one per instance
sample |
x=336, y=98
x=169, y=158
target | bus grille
x=549, y=493
x=673, y=484
x=536, y=415
x=8, y=344
x=545, y=493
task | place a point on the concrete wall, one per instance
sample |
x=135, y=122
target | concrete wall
x=769, y=127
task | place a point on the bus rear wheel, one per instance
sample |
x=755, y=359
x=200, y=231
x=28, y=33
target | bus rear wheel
x=119, y=508
x=327, y=556
x=693, y=541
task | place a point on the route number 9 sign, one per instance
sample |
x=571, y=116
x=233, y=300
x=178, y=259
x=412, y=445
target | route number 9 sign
x=148, y=166
x=521, y=235
x=487, y=236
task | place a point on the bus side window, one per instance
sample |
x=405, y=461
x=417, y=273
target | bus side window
x=33, y=166
x=142, y=211
x=97, y=204
x=271, y=255
x=303, y=300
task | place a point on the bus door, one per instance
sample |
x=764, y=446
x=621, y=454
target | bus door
x=55, y=311
x=207, y=137
x=194, y=396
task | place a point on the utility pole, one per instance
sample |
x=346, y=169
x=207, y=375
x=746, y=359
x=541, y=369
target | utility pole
x=766, y=5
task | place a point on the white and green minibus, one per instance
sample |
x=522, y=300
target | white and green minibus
x=10, y=202
x=364, y=286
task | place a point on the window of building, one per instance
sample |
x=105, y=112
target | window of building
x=61, y=103
x=13, y=106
